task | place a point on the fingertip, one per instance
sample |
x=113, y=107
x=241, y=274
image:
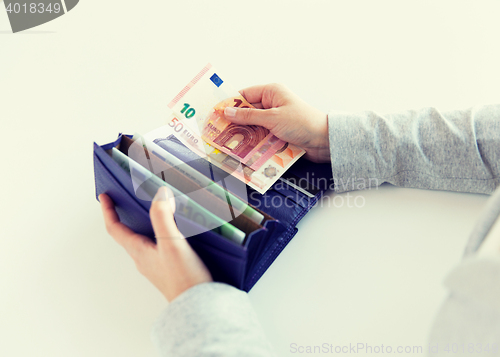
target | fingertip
x=105, y=200
x=164, y=200
x=161, y=196
x=230, y=113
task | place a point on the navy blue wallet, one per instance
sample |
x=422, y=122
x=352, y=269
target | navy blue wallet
x=283, y=205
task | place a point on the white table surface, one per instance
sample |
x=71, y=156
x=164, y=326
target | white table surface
x=351, y=275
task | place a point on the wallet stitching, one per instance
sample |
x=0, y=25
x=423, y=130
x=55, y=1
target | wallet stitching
x=95, y=176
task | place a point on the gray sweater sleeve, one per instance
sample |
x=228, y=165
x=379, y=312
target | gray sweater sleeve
x=210, y=319
x=456, y=151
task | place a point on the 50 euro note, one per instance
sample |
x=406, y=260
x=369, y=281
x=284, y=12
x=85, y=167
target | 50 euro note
x=260, y=180
x=201, y=106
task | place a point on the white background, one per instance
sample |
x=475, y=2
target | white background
x=370, y=274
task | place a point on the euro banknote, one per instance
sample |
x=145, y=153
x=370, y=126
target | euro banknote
x=260, y=180
x=201, y=106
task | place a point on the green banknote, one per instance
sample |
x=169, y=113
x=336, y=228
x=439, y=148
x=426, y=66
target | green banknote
x=204, y=182
x=147, y=184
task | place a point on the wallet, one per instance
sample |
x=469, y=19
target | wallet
x=240, y=265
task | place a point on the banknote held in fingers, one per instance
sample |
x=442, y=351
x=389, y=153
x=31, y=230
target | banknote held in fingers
x=260, y=180
x=250, y=153
x=252, y=145
x=201, y=106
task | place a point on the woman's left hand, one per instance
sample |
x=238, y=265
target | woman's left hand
x=170, y=264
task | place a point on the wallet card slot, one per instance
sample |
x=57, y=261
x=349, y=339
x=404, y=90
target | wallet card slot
x=222, y=266
x=312, y=178
x=220, y=206
x=286, y=199
x=232, y=184
x=116, y=172
x=129, y=210
x=267, y=257
x=277, y=205
x=175, y=178
x=216, y=241
x=125, y=199
x=260, y=240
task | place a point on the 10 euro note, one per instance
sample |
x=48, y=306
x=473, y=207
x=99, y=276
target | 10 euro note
x=260, y=180
x=200, y=105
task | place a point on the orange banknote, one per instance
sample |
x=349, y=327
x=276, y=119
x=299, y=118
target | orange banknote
x=260, y=180
x=201, y=106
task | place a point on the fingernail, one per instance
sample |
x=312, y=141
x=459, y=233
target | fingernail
x=161, y=194
x=230, y=112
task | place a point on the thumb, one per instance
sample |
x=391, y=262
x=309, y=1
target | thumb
x=250, y=116
x=162, y=217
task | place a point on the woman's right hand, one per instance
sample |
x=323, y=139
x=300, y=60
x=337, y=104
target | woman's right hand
x=286, y=116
